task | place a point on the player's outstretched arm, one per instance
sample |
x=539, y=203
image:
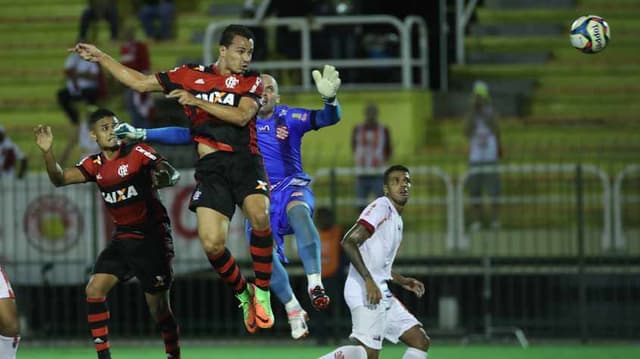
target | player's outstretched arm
x=57, y=175
x=128, y=76
x=163, y=135
x=164, y=175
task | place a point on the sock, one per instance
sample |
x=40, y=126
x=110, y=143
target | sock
x=347, y=352
x=293, y=304
x=98, y=318
x=280, y=281
x=413, y=353
x=314, y=280
x=261, y=248
x=226, y=266
x=307, y=238
x=9, y=346
x=170, y=334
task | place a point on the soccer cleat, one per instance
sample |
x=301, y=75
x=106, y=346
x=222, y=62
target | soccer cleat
x=319, y=298
x=248, y=311
x=262, y=305
x=298, y=322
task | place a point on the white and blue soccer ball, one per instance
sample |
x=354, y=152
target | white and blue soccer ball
x=590, y=34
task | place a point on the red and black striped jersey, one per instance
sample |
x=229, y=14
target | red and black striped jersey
x=205, y=82
x=125, y=184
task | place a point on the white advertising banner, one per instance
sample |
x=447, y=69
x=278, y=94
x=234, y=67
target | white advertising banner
x=53, y=235
x=47, y=234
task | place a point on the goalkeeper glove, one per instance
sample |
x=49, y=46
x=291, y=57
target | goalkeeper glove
x=327, y=83
x=125, y=131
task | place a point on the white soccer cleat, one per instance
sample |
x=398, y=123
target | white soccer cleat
x=298, y=322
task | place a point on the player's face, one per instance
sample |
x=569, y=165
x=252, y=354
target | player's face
x=103, y=132
x=397, y=187
x=270, y=96
x=237, y=56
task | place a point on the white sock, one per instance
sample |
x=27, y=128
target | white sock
x=293, y=304
x=347, y=352
x=8, y=347
x=313, y=280
x=413, y=353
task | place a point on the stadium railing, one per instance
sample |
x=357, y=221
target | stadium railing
x=406, y=62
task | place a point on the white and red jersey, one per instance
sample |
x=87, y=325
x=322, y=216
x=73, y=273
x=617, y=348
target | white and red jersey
x=5, y=286
x=371, y=146
x=378, y=252
x=10, y=154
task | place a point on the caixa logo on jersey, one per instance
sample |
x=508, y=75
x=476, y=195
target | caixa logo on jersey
x=52, y=223
x=221, y=97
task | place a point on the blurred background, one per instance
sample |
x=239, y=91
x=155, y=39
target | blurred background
x=536, y=236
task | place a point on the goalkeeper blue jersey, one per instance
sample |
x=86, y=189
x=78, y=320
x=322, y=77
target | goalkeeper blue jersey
x=280, y=141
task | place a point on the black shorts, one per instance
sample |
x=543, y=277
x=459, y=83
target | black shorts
x=225, y=179
x=148, y=259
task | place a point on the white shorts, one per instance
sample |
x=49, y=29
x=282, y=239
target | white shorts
x=5, y=286
x=387, y=320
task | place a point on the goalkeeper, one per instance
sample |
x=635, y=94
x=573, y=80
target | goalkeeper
x=279, y=131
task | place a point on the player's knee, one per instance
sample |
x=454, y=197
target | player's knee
x=259, y=220
x=212, y=244
x=423, y=341
x=9, y=327
x=93, y=291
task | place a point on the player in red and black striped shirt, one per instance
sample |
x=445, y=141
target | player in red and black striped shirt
x=128, y=176
x=222, y=101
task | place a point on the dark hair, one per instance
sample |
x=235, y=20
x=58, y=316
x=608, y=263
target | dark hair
x=231, y=31
x=393, y=169
x=99, y=114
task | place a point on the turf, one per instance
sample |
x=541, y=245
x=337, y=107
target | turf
x=310, y=351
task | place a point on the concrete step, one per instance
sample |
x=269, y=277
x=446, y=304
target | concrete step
x=508, y=58
x=525, y=29
x=529, y=4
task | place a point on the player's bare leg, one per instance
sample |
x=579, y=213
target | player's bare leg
x=418, y=342
x=9, y=328
x=160, y=310
x=256, y=209
x=213, y=228
x=98, y=312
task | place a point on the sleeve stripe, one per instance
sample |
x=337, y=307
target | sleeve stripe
x=166, y=83
x=368, y=226
x=314, y=124
x=85, y=173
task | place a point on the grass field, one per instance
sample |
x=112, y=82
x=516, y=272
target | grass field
x=301, y=351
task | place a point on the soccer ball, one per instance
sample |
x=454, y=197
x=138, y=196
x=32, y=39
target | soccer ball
x=590, y=34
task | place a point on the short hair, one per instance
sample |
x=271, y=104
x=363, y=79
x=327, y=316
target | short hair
x=99, y=114
x=231, y=31
x=393, y=169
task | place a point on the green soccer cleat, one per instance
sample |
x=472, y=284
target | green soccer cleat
x=248, y=311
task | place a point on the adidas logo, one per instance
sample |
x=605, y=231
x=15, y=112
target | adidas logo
x=98, y=341
x=199, y=81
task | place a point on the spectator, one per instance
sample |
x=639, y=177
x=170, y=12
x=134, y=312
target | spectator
x=82, y=84
x=12, y=161
x=333, y=269
x=96, y=10
x=157, y=18
x=135, y=54
x=372, y=148
x=483, y=134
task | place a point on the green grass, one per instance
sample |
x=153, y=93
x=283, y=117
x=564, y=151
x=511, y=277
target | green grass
x=308, y=351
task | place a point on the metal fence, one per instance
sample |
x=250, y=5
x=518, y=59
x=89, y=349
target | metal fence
x=563, y=262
